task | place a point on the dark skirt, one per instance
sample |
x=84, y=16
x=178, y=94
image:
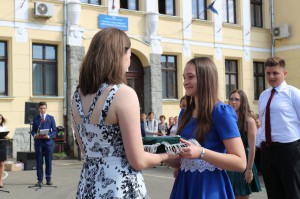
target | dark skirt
x=2, y=150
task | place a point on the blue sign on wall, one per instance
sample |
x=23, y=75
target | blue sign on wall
x=106, y=21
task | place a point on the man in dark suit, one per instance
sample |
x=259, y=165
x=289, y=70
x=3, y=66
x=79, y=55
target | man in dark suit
x=43, y=144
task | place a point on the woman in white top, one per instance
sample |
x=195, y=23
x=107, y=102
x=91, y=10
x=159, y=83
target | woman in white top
x=172, y=129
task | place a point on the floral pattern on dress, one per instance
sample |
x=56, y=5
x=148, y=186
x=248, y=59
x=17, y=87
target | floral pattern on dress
x=106, y=172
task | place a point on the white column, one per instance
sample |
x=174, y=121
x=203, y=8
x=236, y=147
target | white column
x=21, y=12
x=75, y=32
x=218, y=32
x=218, y=21
x=113, y=7
x=187, y=28
x=246, y=29
x=152, y=6
x=152, y=22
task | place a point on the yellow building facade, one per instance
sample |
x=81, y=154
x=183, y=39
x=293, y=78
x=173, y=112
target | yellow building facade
x=42, y=44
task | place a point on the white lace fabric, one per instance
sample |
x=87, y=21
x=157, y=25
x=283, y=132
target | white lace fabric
x=196, y=165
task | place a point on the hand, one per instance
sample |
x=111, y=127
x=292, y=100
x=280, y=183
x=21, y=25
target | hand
x=248, y=176
x=37, y=136
x=45, y=137
x=190, y=151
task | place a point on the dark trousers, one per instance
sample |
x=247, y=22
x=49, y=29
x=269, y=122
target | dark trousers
x=43, y=151
x=281, y=170
x=257, y=159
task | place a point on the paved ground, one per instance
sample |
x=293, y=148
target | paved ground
x=159, y=183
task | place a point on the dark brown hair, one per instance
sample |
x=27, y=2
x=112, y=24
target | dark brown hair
x=103, y=62
x=275, y=61
x=3, y=120
x=207, y=92
x=244, y=110
x=42, y=104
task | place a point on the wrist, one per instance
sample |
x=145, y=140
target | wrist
x=203, y=153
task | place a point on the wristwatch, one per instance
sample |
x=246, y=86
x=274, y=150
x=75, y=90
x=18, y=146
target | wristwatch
x=202, y=155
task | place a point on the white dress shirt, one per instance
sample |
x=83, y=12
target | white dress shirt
x=284, y=113
x=3, y=128
x=151, y=127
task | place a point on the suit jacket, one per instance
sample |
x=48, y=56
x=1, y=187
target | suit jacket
x=49, y=123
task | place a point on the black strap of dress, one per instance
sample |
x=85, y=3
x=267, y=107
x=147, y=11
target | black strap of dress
x=76, y=97
x=107, y=103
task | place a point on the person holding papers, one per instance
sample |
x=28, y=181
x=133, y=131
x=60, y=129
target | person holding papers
x=43, y=131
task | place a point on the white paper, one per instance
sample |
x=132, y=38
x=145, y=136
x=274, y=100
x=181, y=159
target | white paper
x=44, y=131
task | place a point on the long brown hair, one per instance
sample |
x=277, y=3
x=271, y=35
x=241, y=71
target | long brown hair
x=207, y=93
x=244, y=110
x=103, y=62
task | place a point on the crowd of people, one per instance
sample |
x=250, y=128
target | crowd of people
x=220, y=140
x=152, y=128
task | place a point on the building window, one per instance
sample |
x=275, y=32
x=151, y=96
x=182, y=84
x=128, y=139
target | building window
x=44, y=67
x=95, y=2
x=229, y=11
x=3, y=68
x=166, y=7
x=129, y=4
x=169, y=77
x=259, y=78
x=199, y=9
x=256, y=13
x=231, y=76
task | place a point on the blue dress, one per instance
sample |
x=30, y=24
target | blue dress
x=198, y=178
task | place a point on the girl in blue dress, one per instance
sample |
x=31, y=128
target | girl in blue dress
x=202, y=169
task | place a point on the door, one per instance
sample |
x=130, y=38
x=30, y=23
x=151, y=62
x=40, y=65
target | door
x=135, y=78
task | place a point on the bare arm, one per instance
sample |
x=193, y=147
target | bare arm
x=234, y=160
x=251, y=135
x=127, y=110
x=77, y=137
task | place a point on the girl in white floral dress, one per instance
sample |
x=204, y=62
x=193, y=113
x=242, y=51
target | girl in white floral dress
x=106, y=123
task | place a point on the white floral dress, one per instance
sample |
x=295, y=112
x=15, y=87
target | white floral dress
x=106, y=172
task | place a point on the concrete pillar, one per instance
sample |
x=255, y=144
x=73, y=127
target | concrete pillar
x=75, y=55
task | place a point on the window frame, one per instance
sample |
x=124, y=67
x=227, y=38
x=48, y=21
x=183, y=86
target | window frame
x=164, y=3
x=43, y=63
x=127, y=2
x=197, y=10
x=89, y=2
x=166, y=70
x=227, y=12
x=254, y=4
x=5, y=60
x=230, y=74
x=256, y=76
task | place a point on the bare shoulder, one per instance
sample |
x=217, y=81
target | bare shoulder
x=250, y=121
x=126, y=95
x=126, y=89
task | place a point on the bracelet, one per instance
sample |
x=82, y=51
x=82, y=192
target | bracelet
x=202, y=155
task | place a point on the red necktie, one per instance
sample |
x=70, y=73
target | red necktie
x=43, y=119
x=267, y=119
